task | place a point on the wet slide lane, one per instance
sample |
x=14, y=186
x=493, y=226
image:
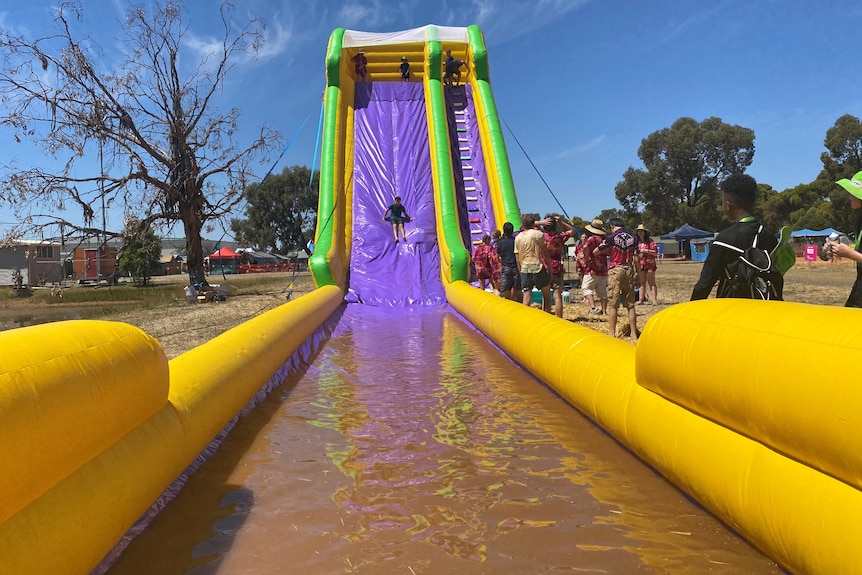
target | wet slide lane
x=410, y=444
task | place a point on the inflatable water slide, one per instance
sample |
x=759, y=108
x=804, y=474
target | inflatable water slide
x=745, y=406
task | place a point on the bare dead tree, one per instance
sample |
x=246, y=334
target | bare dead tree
x=172, y=155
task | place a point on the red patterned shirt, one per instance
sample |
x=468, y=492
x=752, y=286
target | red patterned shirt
x=597, y=264
x=555, y=244
x=484, y=257
x=648, y=260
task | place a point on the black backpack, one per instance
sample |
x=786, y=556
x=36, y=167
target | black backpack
x=753, y=274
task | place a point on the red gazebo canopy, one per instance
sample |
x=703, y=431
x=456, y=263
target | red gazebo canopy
x=224, y=253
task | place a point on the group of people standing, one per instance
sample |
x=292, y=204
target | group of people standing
x=515, y=264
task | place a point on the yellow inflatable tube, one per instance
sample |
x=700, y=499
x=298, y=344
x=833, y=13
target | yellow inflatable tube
x=211, y=383
x=782, y=378
x=803, y=519
x=68, y=390
x=78, y=519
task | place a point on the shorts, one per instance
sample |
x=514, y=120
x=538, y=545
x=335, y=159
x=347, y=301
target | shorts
x=510, y=278
x=621, y=287
x=539, y=280
x=557, y=281
x=396, y=221
x=593, y=284
x=648, y=267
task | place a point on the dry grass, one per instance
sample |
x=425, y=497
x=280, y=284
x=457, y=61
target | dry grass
x=823, y=283
x=180, y=326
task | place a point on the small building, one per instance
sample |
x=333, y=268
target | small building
x=298, y=260
x=253, y=261
x=170, y=264
x=37, y=261
x=94, y=264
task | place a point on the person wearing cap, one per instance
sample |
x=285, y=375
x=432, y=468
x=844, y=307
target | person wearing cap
x=853, y=186
x=557, y=231
x=533, y=262
x=595, y=268
x=360, y=62
x=739, y=195
x=620, y=246
x=405, y=69
x=647, y=252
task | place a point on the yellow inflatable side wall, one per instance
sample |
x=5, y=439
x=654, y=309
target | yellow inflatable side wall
x=729, y=461
x=68, y=390
x=784, y=378
x=79, y=517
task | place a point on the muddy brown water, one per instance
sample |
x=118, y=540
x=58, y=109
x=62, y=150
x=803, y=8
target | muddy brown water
x=411, y=445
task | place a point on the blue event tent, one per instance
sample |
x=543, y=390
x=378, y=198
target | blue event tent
x=814, y=233
x=687, y=232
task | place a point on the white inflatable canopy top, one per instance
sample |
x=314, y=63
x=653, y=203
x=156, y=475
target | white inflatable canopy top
x=356, y=39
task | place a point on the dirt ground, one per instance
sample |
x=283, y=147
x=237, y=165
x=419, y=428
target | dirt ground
x=822, y=283
x=180, y=327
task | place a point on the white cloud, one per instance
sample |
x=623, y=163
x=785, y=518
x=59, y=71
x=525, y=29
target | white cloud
x=278, y=38
x=367, y=15
x=509, y=19
x=205, y=48
x=583, y=148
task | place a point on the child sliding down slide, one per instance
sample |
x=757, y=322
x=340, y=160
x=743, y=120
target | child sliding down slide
x=398, y=217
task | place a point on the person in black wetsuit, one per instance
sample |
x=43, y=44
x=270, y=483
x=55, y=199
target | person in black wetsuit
x=739, y=194
x=836, y=248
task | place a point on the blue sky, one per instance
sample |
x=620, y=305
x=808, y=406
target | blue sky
x=579, y=82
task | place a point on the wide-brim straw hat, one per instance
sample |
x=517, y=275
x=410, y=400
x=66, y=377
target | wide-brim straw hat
x=597, y=226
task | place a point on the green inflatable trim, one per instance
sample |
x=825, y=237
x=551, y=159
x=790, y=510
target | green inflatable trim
x=498, y=147
x=319, y=263
x=459, y=258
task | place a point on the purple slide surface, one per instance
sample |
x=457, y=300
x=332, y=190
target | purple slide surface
x=391, y=158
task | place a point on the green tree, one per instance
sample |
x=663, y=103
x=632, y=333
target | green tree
x=843, y=155
x=803, y=206
x=281, y=211
x=684, y=165
x=606, y=215
x=169, y=154
x=842, y=159
x=141, y=251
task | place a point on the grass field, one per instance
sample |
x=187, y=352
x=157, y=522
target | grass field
x=161, y=309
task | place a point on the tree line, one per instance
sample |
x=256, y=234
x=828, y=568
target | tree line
x=684, y=164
